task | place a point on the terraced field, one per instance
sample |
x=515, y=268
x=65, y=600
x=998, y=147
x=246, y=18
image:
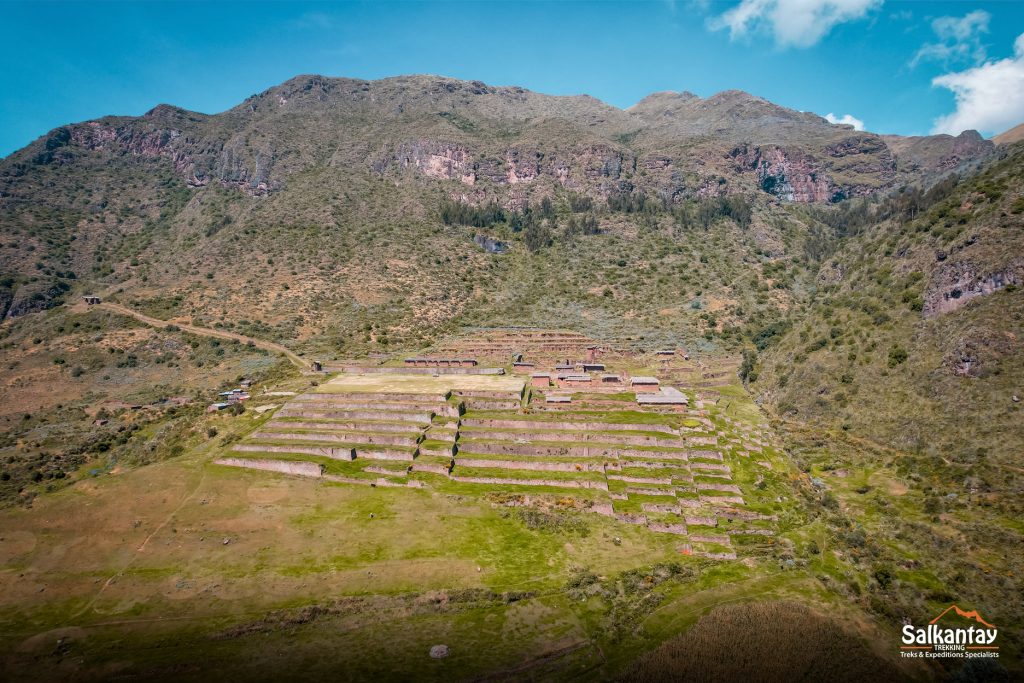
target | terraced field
x=704, y=474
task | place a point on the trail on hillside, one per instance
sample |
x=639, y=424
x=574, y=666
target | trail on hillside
x=206, y=332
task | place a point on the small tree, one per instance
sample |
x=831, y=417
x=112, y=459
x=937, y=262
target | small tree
x=747, y=372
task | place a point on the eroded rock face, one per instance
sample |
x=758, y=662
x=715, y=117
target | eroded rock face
x=672, y=146
x=437, y=159
x=199, y=161
x=593, y=169
x=955, y=284
x=792, y=176
x=863, y=156
x=977, y=351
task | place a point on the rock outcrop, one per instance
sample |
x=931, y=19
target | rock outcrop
x=954, y=284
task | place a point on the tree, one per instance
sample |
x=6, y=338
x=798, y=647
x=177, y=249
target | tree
x=747, y=372
x=537, y=236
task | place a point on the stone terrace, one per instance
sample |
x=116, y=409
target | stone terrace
x=672, y=472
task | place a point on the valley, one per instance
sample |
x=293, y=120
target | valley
x=574, y=391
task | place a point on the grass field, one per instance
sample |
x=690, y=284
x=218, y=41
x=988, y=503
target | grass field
x=172, y=569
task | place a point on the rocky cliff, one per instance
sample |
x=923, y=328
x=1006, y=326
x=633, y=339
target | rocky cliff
x=672, y=146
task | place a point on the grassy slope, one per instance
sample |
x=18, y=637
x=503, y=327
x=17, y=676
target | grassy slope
x=840, y=364
x=154, y=580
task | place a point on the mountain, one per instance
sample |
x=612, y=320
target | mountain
x=850, y=306
x=914, y=335
x=328, y=152
x=1015, y=134
x=341, y=217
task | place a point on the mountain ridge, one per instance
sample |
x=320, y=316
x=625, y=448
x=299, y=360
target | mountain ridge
x=689, y=143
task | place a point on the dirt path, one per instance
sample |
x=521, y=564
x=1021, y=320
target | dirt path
x=206, y=332
x=131, y=560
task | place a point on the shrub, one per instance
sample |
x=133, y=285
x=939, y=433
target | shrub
x=897, y=356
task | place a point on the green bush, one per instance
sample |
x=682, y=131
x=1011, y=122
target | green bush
x=897, y=356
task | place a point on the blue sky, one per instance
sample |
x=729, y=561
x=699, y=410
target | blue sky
x=906, y=67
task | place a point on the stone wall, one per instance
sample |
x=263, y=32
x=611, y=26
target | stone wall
x=539, y=466
x=731, y=488
x=710, y=455
x=409, y=418
x=582, y=436
x=660, y=507
x=666, y=481
x=337, y=437
x=697, y=520
x=568, y=426
x=383, y=454
x=430, y=467
x=711, y=466
x=294, y=467
x=558, y=483
x=323, y=451
x=407, y=428
x=721, y=499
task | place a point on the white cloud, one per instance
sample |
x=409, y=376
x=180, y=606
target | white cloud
x=793, y=23
x=989, y=97
x=847, y=119
x=959, y=39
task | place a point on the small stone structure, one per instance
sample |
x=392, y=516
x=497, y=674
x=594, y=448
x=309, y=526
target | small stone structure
x=441, y=362
x=645, y=384
x=541, y=380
